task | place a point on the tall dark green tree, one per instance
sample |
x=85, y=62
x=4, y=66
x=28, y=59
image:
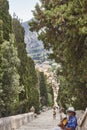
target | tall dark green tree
x=62, y=27
x=9, y=81
x=50, y=94
x=1, y=31
x=6, y=18
x=28, y=76
x=43, y=90
x=9, y=61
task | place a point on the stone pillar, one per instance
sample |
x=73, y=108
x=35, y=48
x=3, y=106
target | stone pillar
x=32, y=109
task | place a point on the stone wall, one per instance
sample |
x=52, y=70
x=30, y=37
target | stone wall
x=14, y=122
x=82, y=121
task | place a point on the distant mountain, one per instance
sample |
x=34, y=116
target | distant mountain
x=34, y=47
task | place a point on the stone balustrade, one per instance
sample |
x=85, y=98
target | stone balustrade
x=82, y=121
x=14, y=122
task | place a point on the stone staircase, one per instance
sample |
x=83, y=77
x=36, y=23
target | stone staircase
x=44, y=121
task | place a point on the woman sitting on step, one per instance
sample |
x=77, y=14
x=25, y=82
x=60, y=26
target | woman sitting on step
x=70, y=123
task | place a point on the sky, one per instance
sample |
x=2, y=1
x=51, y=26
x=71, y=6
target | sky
x=22, y=8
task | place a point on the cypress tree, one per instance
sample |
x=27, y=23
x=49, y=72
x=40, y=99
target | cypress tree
x=6, y=18
x=62, y=27
x=9, y=78
x=9, y=61
x=43, y=89
x=28, y=76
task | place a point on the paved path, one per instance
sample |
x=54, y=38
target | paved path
x=44, y=121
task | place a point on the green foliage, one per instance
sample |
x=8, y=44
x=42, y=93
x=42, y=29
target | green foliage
x=50, y=94
x=1, y=31
x=28, y=77
x=6, y=18
x=18, y=78
x=18, y=30
x=62, y=26
x=9, y=78
x=9, y=61
x=34, y=99
x=43, y=89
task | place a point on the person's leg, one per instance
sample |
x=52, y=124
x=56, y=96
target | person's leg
x=57, y=128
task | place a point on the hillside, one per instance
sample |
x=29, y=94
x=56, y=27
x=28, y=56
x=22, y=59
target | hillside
x=34, y=47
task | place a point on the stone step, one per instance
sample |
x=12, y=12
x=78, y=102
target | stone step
x=44, y=121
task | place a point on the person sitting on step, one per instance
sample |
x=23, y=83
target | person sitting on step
x=70, y=123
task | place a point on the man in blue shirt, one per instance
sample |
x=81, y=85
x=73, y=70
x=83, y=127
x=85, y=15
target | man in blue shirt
x=72, y=121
